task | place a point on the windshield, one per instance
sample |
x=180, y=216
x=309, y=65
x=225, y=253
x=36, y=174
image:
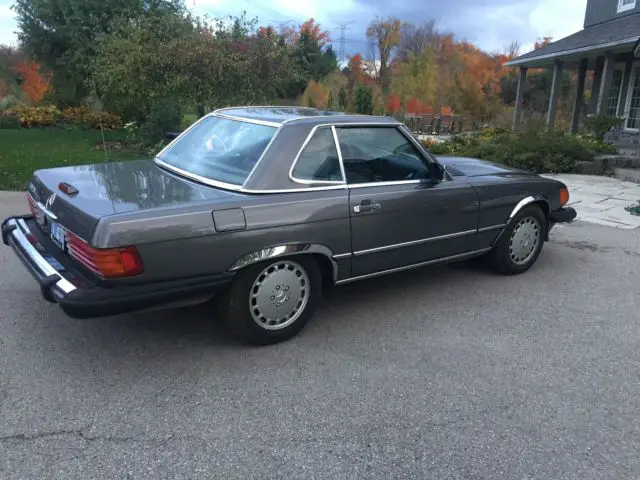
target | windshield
x=220, y=149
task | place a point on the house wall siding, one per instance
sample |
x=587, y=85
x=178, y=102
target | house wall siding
x=599, y=11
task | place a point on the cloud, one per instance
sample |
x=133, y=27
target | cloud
x=491, y=24
x=7, y=24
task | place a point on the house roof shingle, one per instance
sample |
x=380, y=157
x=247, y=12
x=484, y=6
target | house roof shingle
x=619, y=31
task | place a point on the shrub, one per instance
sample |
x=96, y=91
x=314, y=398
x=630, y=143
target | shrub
x=165, y=116
x=43, y=116
x=82, y=117
x=364, y=100
x=536, y=152
x=108, y=121
x=7, y=102
x=599, y=125
x=9, y=121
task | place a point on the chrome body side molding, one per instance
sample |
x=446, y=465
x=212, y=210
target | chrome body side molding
x=452, y=258
x=414, y=242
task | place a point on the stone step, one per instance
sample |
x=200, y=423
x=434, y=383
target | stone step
x=627, y=174
x=619, y=161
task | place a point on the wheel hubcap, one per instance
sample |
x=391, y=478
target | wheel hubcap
x=279, y=295
x=524, y=240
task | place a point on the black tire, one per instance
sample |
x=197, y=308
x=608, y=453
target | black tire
x=502, y=258
x=238, y=313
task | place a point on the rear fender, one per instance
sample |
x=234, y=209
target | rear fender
x=285, y=250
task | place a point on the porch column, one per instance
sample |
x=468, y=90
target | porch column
x=579, y=100
x=626, y=86
x=553, y=100
x=517, y=112
x=605, y=83
x=595, y=88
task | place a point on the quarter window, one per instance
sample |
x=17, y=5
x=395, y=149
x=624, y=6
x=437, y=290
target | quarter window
x=319, y=161
x=380, y=154
x=624, y=5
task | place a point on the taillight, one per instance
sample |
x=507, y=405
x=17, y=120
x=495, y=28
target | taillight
x=32, y=204
x=106, y=262
x=564, y=196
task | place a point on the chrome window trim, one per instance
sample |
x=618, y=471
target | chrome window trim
x=414, y=242
x=386, y=184
x=302, y=181
x=170, y=144
x=316, y=187
x=416, y=143
x=248, y=120
x=264, y=154
x=239, y=188
x=210, y=182
x=460, y=256
x=334, y=132
x=399, y=128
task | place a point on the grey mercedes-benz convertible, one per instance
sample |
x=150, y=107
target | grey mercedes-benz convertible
x=263, y=208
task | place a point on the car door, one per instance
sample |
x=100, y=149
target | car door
x=402, y=211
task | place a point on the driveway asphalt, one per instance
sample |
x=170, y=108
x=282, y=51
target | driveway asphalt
x=443, y=373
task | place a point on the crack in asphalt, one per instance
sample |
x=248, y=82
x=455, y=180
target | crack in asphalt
x=80, y=433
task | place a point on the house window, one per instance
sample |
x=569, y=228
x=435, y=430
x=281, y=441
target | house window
x=624, y=5
x=633, y=119
x=614, y=94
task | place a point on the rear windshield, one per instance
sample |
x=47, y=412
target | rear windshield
x=220, y=149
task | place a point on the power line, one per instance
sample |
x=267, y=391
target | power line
x=282, y=25
x=343, y=27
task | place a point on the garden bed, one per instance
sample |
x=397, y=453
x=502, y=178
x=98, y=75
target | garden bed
x=539, y=152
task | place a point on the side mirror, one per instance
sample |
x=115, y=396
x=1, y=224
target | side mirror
x=171, y=135
x=442, y=171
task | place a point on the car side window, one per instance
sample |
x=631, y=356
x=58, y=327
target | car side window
x=380, y=154
x=319, y=161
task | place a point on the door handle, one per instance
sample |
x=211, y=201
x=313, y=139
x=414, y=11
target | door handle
x=366, y=206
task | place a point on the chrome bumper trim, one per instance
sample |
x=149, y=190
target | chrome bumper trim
x=44, y=268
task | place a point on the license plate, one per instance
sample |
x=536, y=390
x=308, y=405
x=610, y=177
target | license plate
x=57, y=234
x=54, y=263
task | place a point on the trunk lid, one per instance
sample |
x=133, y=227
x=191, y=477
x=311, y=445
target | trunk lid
x=112, y=188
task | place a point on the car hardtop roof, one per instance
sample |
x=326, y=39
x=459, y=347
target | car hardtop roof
x=280, y=115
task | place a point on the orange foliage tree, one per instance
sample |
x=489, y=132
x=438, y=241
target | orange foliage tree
x=393, y=104
x=311, y=29
x=315, y=95
x=35, y=83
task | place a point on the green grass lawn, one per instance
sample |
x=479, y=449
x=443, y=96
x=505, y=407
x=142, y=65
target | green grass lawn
x=23, y=151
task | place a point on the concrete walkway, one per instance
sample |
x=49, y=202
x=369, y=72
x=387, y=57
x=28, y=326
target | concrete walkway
x=602, y=200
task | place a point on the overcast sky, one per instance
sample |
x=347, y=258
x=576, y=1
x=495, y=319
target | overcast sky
x=491, y=24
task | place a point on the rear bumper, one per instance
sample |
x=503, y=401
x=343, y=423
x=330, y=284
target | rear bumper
x=99, y=301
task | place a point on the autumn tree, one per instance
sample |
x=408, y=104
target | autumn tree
x=417, y=78
x=64, y=35
x=33, y=82
x=415, y=38
x=313, y=58
x=386, y=35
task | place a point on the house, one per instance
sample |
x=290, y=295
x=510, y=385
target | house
x=609, y=46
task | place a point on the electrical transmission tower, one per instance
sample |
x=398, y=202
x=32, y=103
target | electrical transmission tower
x=343, y=27
x=282, y=25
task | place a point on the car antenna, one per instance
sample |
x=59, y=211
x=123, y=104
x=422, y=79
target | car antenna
x=104, y=142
